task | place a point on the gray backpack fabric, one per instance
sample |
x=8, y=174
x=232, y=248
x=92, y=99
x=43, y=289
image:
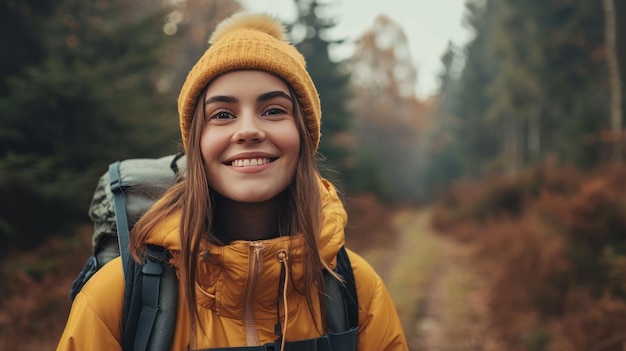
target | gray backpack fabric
x=144, y=181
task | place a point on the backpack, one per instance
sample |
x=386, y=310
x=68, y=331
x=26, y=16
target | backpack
x=122, y=196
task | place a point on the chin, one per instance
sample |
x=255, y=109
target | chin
x=253, y=198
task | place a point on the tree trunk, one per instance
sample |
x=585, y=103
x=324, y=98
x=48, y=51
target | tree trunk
x=534, y=133
x=512, y=145
x=615, y=87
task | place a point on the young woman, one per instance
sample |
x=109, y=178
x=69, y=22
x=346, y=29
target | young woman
x=251, y=226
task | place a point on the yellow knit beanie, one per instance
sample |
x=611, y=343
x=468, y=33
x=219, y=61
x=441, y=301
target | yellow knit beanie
x=255, y=42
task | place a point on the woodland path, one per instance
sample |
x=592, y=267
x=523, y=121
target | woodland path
x=435, y=289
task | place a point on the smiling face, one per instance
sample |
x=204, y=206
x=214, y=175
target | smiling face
x=250, y=141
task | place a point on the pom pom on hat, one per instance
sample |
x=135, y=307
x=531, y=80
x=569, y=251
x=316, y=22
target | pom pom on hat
x=254, y=42
x=259, y=22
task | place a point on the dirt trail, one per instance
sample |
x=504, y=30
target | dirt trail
x=425, y=330
x=435, y=291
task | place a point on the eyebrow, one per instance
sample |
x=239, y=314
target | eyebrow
x=220, y=98
x=274, y=94
x=263, y=97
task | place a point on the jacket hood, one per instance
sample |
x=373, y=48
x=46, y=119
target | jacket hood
x=224, y=278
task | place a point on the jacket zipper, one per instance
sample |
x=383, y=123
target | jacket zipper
x=255, y=264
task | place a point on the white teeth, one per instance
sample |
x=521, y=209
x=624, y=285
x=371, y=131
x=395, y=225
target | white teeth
x=250, y=162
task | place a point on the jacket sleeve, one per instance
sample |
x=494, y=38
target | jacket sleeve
x=95, y=319
x=379, y=324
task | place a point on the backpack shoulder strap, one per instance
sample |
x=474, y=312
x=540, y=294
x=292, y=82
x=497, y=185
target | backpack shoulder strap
x=150, y=304
x=342, y=308
x=121, y=219
x=151, y=289
x=344, y=268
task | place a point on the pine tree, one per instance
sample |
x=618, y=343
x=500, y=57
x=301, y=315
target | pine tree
x=473, y=140
x=331, y=80
x=21, y=23
x=533, y=87
x=88, y=99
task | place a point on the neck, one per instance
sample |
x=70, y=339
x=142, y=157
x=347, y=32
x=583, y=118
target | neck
x=247, y=221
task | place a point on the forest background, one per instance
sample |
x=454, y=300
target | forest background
x=512, y=173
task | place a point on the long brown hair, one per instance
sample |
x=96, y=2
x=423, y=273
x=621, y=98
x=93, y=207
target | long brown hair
x=192, y=196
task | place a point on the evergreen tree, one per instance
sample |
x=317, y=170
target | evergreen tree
x=85, y=99
x=441, y=157
x=21, y=28
x=331, y=80
x=549, y=77
x=533, y=87
x=471, y=141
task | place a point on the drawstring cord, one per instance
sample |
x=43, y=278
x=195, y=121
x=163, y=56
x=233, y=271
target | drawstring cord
x=279, y=330
x=202, y=290
x=284, y=279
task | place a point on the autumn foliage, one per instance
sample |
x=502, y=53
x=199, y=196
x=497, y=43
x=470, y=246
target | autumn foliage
x=34, y=292
x=550, y=243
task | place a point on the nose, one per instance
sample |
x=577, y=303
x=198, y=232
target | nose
x=249, y=129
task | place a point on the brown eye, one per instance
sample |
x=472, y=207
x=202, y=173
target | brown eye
x=274, y=111
x=222, y=115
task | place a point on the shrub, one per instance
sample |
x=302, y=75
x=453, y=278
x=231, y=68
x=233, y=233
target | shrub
x=551, y=243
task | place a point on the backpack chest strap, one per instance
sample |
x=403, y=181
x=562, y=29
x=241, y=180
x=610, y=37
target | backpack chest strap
x=344, y=341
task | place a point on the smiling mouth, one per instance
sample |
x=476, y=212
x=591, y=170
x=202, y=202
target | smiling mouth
x=251, y=162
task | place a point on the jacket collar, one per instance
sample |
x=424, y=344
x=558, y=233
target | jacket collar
x=222, y=278
x=330, y=241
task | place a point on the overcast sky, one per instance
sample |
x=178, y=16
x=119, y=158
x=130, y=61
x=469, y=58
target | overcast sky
x=429, y=25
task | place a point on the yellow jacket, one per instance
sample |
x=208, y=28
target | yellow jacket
x=237, y=292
